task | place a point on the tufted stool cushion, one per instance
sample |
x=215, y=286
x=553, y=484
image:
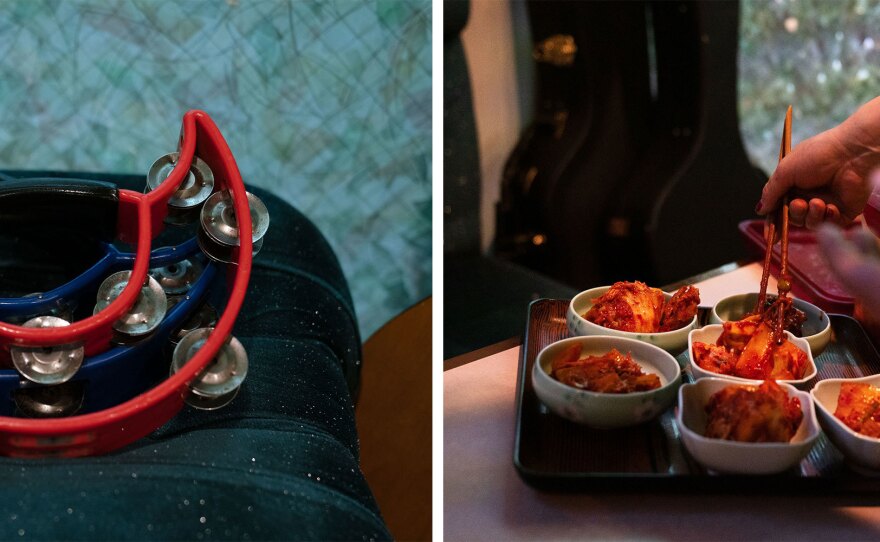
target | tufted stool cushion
x=280, y=462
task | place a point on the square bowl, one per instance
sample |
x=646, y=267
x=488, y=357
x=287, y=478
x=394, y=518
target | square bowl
x=816, y=328
x=710, y=334
x=733, y=457
x=607, y=410
x=861, y=451
x=673, y=341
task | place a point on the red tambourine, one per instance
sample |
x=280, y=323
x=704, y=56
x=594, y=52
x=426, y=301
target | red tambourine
x=141, y=218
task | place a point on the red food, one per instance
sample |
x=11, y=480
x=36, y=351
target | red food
x=753, y=414
x=736, y=335
x=858, y=406
x=746, y=349
x=715, y=358
x=680, y=309
x=609, y=373
x=763, y=359
x=636, y=307
x=794, y=318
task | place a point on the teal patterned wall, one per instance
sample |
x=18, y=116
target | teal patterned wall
x=328, y=104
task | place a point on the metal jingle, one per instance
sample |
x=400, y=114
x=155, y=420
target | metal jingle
x=49, y=401
x=147, y=312
x=221, y=253
x=122, y=339
x=218, y=232
x=62, y=309
x=220, y=381
x=177, y=278
x=192, y=192
x=204, y=316
x=47, y=364
x=200, y=402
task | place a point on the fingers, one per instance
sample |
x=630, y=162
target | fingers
x=815, y=213
x=776, y=187
x=787, y=174
x=809, y=169
x=857, y=270
x=832, y=215
x=797, y=212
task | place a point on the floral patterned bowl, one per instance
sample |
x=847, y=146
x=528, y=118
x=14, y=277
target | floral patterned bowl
x=607, y=410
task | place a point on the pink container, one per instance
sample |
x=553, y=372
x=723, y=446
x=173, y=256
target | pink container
x=812, y=280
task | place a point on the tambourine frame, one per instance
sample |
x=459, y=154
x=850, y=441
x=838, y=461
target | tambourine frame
x=140, y=219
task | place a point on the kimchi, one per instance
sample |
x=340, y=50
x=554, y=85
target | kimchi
x=639, y=308
x=612, y=372
x=753, y=414
x=747, y=349
x=858, y=406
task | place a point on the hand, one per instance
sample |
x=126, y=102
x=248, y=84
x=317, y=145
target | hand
x=828, y=176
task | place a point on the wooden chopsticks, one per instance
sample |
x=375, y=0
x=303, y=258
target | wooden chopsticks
x=780, y=217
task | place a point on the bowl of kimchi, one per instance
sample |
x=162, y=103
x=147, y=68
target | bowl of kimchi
x=757, y=427
x=808, y=321
x=745, y=354
x=849, y=412
x=605, y=382
x=634, y=310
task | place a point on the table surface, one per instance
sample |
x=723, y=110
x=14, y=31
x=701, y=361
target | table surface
x=485, y=499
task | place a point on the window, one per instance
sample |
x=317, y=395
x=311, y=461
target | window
x=821, y=57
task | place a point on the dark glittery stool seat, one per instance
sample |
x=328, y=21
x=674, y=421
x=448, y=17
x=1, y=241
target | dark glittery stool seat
x=280, y=462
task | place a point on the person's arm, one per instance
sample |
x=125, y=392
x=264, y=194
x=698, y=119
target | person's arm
x=856, y=262
x=828, y=176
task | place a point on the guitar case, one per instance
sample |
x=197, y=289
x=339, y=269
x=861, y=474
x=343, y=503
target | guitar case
x=633, y=168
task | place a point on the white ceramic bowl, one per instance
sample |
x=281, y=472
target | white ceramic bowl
x=673, y=341
x=607, y=410
x=816, y=328
x=734, y=457
x=710, y=334
x=860, y=450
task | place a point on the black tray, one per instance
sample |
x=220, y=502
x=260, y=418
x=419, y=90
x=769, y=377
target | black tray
x=551, y=452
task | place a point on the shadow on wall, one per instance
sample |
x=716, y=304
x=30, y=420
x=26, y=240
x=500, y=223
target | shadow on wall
x=326, y=104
